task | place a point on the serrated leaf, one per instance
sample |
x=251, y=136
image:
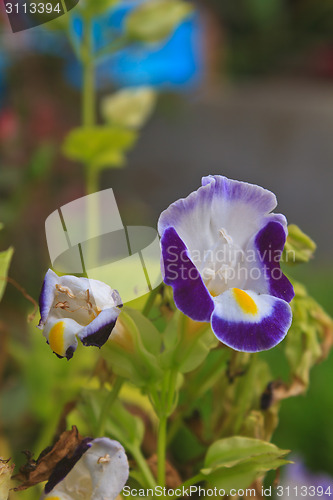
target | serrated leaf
x=235, y=462
x=155, y=20
x=237, y=449
x=98, y=146
x=129, y=107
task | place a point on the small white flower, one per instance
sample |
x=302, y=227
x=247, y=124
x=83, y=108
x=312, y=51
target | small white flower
x=98, y=470
x=73, y=308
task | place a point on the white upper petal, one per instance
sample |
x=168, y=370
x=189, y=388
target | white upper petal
x=221, y=203
x=217, y=222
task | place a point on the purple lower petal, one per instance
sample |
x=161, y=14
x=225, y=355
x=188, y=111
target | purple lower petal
x=47, y=296
x=254, y=337
x=65, y=465
x=270, y=243
x=99, y=330
x=190, y=294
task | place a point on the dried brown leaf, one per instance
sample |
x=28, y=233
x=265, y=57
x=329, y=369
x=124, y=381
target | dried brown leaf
x=35, y=472
x=277, y=391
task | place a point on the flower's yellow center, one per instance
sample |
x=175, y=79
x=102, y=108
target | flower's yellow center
x=245, y=302
x=56, y=338
x=52, y=498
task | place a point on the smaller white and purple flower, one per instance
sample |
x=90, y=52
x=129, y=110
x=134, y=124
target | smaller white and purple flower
x=98, y=469
x=221, y=250
x=74, y=308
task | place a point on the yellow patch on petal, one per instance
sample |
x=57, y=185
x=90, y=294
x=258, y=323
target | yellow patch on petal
x=245, y=302
x=52, y=498
x=56, y=338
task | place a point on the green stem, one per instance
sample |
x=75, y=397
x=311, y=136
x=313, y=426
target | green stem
x=161, y=450
x=112, y=396
x=143, y=466
x=88, y=96
x=172, y=388
x=88, y=99
x=150, y=301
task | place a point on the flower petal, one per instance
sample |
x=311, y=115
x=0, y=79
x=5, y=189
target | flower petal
x=47, y=295
x=99, y=330
x=237, y=207
x=62, y=469
x=249, y=322
x=270, y=242
x=100, y=474
x=190, y=294
x=107, y=463
x=61, y=336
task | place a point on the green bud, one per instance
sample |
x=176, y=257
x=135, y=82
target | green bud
x=156, y=19
x=134, y=347
x=129, y=107
x=299, y=247
x=310, y=336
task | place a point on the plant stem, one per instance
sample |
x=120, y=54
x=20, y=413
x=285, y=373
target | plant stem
x=112, y=396
x=88, y=97
x=143, y=466
x=151, y=299
x=161, y=450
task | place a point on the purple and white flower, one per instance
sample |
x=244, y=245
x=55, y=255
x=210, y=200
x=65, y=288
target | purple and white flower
x=97, y=470
x=221, y=250
x=74, y=308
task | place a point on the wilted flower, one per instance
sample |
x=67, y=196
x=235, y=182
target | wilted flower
x=73, y=308
x=221, y=249
x=5, y=477
x=98, y=469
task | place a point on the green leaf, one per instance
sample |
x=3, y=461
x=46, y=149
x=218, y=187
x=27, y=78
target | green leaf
x=129, y=107
x=98, y=146
x=125, y=427
x=299, y=247
x=156, y=19
x=121, y=424
x=41, y=162
x=5, y=258
x=237, y=461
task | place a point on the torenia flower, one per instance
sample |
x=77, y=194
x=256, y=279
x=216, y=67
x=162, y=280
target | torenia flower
x=221, y=248
x=98, y=470
x=73, y=308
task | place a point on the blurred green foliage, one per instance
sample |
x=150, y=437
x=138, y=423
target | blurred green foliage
x=263, y=36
